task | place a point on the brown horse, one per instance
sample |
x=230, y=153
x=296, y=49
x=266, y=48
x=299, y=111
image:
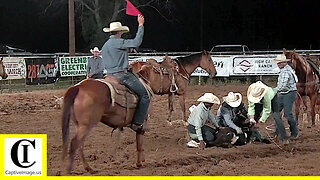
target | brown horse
x=161, y=84
x=87, y=104
x=3, y=73
x=308, y=81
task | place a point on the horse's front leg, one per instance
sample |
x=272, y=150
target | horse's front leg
x=297, y=109
x=140, y=150
x=170, y=103
x=183, y=107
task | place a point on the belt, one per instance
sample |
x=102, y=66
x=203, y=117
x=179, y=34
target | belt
x=287, y=92
x=119, y=72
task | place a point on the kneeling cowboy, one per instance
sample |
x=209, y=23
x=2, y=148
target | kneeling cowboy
x=115, y=57
x=198, y=131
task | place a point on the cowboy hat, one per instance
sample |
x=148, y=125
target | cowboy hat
x=233, y=99
x=256, y=91
x=95, y=49
x=209, y=98
x=281, y=58
x=116, y=26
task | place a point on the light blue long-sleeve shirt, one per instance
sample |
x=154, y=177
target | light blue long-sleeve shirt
x=115, y=51
x=199, y=117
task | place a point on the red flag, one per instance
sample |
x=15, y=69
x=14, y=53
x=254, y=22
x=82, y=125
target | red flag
x=131, y=10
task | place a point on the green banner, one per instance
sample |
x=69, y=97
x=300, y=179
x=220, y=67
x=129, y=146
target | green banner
x=73, y=66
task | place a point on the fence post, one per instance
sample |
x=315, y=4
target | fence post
x=72, y=80
x=260, y=77
x=10, y=90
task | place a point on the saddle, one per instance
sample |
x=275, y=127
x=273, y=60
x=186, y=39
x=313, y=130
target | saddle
x=167, y=67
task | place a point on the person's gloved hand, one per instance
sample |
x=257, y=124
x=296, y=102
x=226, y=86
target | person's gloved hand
x=252, y=122
x=239, y=131
x=202, y=145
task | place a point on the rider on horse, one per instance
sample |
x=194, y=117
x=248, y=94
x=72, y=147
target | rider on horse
x=115, y=57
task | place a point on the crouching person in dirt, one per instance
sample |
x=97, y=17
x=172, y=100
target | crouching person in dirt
x=233, y=114
x=201, y=134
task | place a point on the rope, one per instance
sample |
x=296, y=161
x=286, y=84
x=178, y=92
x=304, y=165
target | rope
x=274, y=142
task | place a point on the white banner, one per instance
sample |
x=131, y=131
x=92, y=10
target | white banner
x=15, y=67
x=254, y=65
x=222, y=64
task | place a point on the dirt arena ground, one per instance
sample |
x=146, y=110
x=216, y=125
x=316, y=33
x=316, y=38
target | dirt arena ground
x=165, y=147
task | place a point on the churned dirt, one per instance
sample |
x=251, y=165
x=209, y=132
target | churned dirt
x=165, y=146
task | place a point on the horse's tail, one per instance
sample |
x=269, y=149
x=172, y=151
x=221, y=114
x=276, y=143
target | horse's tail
x=66, y=112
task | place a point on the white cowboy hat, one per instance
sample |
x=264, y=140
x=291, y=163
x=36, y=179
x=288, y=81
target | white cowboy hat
x=209, y=98
x=256, y=91
x=95, y=49
x=233, y=99
x=116, y=26
x=281, y=58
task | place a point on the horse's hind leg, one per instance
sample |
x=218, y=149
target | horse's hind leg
x=140, y=150
x=85, y=164
x=313, y=106
x=77, y=141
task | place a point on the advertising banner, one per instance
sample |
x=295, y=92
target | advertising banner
x=222, y=64
x=254, y=65
x=15, y=67
x=41, y=70
x=73, y=66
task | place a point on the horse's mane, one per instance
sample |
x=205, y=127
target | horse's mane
x=185, y=60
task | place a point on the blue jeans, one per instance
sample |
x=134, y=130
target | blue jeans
x=275, y=111
x=133, y=83
x=208, y=134
x=286, y=103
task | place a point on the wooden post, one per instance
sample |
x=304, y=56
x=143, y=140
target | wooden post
x=72, y=48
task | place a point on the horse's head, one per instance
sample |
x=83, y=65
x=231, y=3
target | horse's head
x=297, y=62
x=206, y=63
x=3, y=73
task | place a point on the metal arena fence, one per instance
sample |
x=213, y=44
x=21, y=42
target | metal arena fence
x=42, y=71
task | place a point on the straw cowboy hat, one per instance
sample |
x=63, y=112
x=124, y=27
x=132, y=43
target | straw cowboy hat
x=256, y=91
x=233, y=99
x=209, y=98
x=116, y=26
x=95, y=49
x=281, y=58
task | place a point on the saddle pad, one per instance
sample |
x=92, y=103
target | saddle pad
x=121, y=94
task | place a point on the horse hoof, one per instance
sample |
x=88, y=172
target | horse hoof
x=91, y=171
x=139, y=165
x=58, y=173
x=169, y=123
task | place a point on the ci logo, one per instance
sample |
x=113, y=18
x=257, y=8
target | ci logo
x=22, y=160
